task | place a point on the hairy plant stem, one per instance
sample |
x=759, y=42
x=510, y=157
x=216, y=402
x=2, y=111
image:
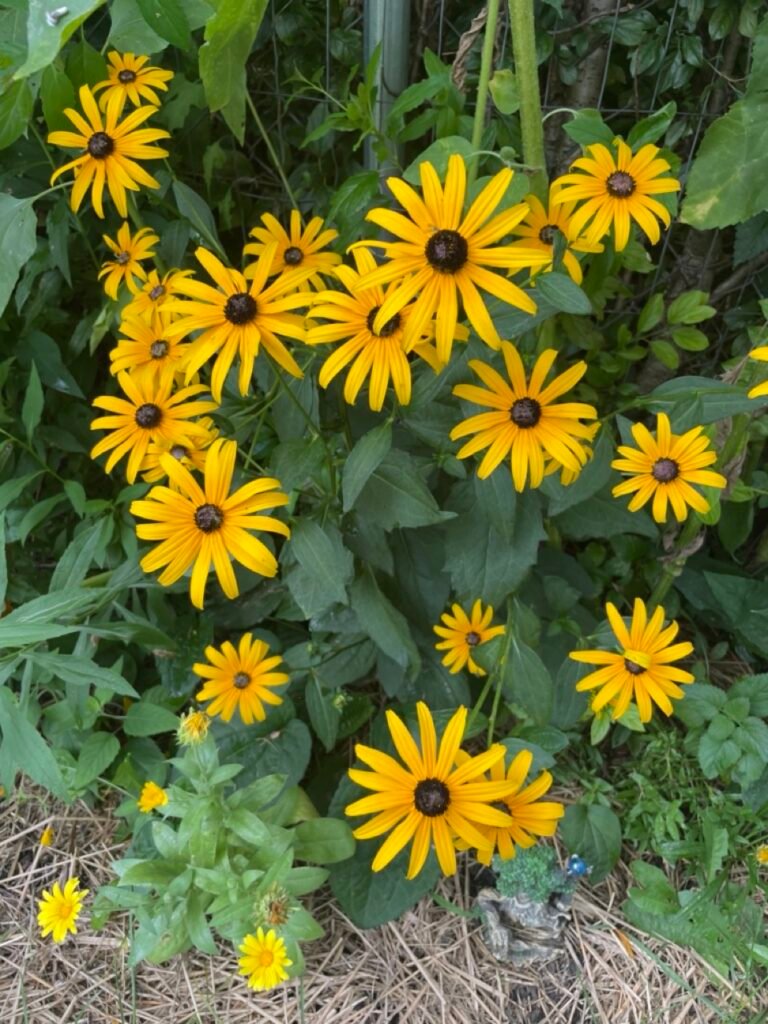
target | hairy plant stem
x=486, y=62
x=673, y=568
x=271, y=150
x=527, y=74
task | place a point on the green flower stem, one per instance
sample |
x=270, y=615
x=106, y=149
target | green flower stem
x=675, y=565
x=495, y=677
x=271, y=150
x=486, y=62
x=527, y=74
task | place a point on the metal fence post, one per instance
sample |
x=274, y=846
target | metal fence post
x=387, y=22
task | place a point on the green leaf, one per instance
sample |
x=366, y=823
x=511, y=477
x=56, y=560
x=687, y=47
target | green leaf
x=195, y=209
x=665, y=353
x=71, y=668
x=755, y=688
x=167, y=19
x=504, y=91
x=44, y=40
x=32, y=408
x=24, y=749
x=96, y=754
x=712, y=400
x=438, y=155
x=594, y=833
x=249, y=827
x=364, y=459
x=323, y=841
x=651, y=128
x=589, y=482
x=527, y=682
x=85, y=65
x=273, y=748
x=197, y=924
x=691, y=339
x=80, y=553
x=56, y=93
x=384, y=624
x=588, y=127
x=147, y=719
x=690, y=308
x=563, y=293
x=229, y=36
x=321, y=554
x=16, y=105
x=603, y=516
x=651, y=313
x=3, y=561
x=715, y=847
x=18, y=241
x=130, y=30
x=324, y=716
x=395, y=495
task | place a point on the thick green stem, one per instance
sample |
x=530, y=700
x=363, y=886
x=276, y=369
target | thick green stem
x=675, y=566
x=486, y=63
x=527, y=74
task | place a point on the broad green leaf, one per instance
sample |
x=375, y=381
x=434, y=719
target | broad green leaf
x=383, y=623
x=527, y=682
x=16, y=105
x=651, y=313
x=438, y=155
x=130, y=30
x=504, y=91
x=704, y=398
x=56, y=93
x=690, y=308
x=592, y=479
x=82, y=672
x=365, y=457
x=198, y=213
x=755, y=688
x=84, y=64
x=168, y=20
x=603, y=516
x=18, y=241
x=24, y=749
x=587, y=127
x=32, y=407
x=395, y=495
x=249, y=827
x=79, y=555
x=323, y=841
x=322, y=556
x=562, y=293
x=274, y=747
x=96, y=754
x=46, y=35
x=651, y=128
x=594, y=833
x=147, y=719
x=324, y=716
x=197, y=924
x=14, y=635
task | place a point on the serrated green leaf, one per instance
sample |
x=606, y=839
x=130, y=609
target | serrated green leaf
x=96, y=754
x=24, y=749
x=364, y=459
x=18, y=241
x=147, y=719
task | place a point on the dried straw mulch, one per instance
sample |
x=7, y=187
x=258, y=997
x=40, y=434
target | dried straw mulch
x=430, y=967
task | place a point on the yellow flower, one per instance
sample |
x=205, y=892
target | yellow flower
x=59, y=909
x=240, y=679
x=530, y=816
x=641, y=669
x=441, y=255
x=204, y=525
x=46, y=839
x=192, y=454
x=264, y=960
x=463, y=633
x=664, y=469
x=761, y=354
x=150, y=304
x=617, y=189
x=236, y=318
x=383, y=355
x=541, y=227
x=193, y=728
x=761, y=855
x=128, y=250
x=110, y=151
x=130, y=79
x=150, y=413
x=296, y=249
x=147, y=350
x=151, y=796
x=525, y=423
x=429, y=800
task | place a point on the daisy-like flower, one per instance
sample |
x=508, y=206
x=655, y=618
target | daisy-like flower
x=761, y=354
x=296, y=249
x=193, y=728
x=664, y=467
x=462, y=633
x=381, y=354
x=110, y=150
x=151, y=796
x=761, y=855
x=46, y=838
x=641, y=669
x=427, y=799
x=60, y=908
x=541, y=227
x=146, y=350
x=236, y=318
x=130, y=79
x=128, y=251
x=202, y=525
x=240, y=679
x=617, y=189
x=264, y=960
x=192, y=454
x=150, y=303
x=442, y=255
x=530, y=815
x=149, y=412
x=525, y=423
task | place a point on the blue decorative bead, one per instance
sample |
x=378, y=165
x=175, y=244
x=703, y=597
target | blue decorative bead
x=576, y=866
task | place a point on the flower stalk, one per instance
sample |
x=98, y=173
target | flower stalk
x=486, y=63
x=527, y=74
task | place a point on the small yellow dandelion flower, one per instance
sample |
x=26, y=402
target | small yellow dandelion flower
x=664, y=468
x=151, y=796
x=761, y=354
x=193, y=728
x=296, y=249
x=130, y=79
x=264, y=960
x=46, y=839
x=540, y=228
x=761, y=855
x=148, y=350
x=59, y=909
x=462, y=633
x=150, y=303
x=240, y=679
x=641, y=668
x=128, y=250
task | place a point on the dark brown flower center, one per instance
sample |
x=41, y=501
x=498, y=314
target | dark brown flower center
x=431, y=797
x=157, y=291
x=548, y=233
x=178, y=452
x=473, y=638
x=620, y=184
x=241, y=680
x=100, y=145
x=389, y=327
x=122, y=258
x=447, y=251
x=208, y=518
x=665, y=470
x=525, y=413
x=126, y=75
x=158, y=349
x=293, y=256
x=632, y=667
x=148, y=415
x=240, y=308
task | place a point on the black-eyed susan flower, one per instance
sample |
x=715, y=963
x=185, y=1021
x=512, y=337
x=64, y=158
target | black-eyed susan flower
x=191, y=454
x=46, y=837
x=664, y=467
x=150, y=303
x=128, y=251
x=149, y=412
x=463, y=633
x=241, y=679
x=427, y=800
x=199, y=526
x=193, y=728
x=110, y=150
x=381, y=355
x=442, y=254
x=641, y=669
x=531, y=816
x=147, y=350
x=761, y=354
x=236, y=317
x=540, y=229
x=616, y=190
x=297, y=249
x=568, y=476
x=264, y=960
x=131, y=79
x=59, y=909
x=525, y=423
x=151, y=797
